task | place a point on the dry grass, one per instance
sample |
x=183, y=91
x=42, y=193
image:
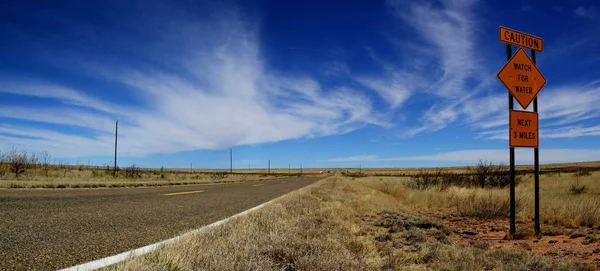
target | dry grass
x=558, y=205
x=562, y=167
x=335, y=224
x=20, y=169
x=92, y=178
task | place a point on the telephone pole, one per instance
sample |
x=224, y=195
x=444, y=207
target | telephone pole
x=230, y=160
x=116, y=139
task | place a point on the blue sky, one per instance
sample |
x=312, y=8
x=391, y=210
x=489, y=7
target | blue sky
x=317, y=83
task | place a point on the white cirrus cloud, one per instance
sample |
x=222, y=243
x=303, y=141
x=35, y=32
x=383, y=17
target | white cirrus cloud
x=215, y=93
x=524, y=156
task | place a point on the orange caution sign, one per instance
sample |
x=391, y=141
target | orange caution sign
x=522, y=78
x=519, y=38
x=523, y=129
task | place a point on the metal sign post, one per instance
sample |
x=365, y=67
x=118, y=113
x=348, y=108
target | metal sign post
x=524, y=81
x=536, y=170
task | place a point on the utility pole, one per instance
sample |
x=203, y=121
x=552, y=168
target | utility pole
x=269, y=168
x=230, y=160
x=116, y=139
x=191, y=170
x=300, y=168
x=289, y=168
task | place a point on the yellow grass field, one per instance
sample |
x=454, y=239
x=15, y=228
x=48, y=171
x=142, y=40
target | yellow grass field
x=72, y=177
x=337, y=224
x=557, y=204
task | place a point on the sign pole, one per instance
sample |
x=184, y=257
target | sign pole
x=536, y=169
x=116, y=140
x=523, y=80
x=513, y=229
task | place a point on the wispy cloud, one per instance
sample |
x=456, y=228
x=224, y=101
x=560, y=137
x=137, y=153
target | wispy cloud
x=562, y=110
x=222, y=96
x=571, y=131
x=365, y=158
x=493, y=155
x=449, y=29
x=448, y=33
x=62, y=116
x=57, y=143
x=526, y=8
x=589, y=12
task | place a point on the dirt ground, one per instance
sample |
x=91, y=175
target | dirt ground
x=558, y=243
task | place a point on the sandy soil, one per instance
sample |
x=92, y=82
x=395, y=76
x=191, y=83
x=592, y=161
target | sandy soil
x=584, y=245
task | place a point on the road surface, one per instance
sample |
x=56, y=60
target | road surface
x=44, y=229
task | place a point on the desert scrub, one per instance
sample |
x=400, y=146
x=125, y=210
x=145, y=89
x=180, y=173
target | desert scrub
x=558, y=205
x=334, y=224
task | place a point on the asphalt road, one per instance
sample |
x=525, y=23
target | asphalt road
x=50, y=229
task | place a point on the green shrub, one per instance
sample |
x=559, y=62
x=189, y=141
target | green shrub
x=577, y=189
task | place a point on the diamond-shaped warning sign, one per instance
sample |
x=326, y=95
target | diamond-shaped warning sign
x=522, y=78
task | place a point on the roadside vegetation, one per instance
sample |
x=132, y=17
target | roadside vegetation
x=19, y=169
x=568, y=199
x=339, y=224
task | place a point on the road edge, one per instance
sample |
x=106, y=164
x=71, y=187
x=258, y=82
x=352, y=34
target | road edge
x=110, y=260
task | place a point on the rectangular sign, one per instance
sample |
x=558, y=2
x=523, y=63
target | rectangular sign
x=523, y=130
x=519, y=38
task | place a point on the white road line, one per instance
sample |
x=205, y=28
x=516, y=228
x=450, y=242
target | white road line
x=97, y=264
x=184, y=193
x=258, y=184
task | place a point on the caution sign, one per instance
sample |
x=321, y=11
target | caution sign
x=523, y=130
x=522, y=78
x=519, y=38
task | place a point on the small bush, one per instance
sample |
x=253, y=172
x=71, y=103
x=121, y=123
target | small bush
x=440, y=178
x=132, y=172
x=44, y=161
x=107, y=169
x=485, y=174
x=17, y=162
x=486, y=207
x=96, y=173
x=491, y=175
x=218, y=175
x=354, y=174
x=589, y=214
x=577, y=189
x=482, y=171
x=3, y=165
x=550, y=230
x=577, y=233
x=583, y=172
